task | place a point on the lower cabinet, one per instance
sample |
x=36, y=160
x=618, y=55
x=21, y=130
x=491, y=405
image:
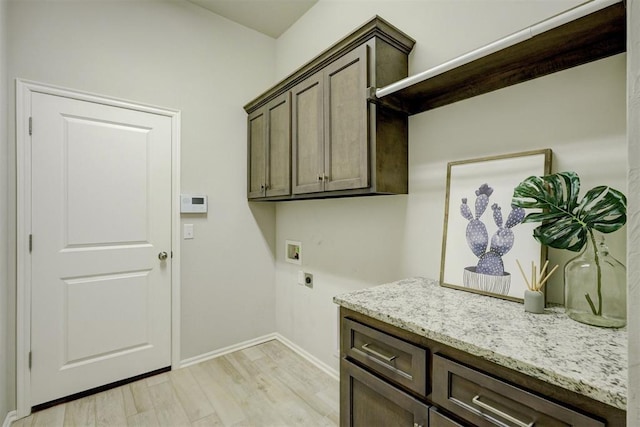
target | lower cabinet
x=374, y=402
x=391, y=377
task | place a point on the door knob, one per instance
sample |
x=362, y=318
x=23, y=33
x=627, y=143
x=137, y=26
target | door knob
x=162, y=256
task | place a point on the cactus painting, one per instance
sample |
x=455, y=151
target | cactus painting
x=489, y=261
x=484, y=234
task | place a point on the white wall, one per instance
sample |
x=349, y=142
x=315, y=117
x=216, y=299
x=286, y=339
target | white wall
x=633, y=229
x=354, y=243
x=175, y=54
x=5, y=353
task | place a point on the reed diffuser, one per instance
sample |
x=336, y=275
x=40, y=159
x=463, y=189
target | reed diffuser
x=533, y=296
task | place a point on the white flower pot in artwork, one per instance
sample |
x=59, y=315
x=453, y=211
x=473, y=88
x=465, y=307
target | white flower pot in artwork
x=486, y=282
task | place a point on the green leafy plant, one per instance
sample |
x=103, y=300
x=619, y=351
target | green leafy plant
x=567, y=223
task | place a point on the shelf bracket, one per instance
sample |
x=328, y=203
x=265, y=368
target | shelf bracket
x=389, y=102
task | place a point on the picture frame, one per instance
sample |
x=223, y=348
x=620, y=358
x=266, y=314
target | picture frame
x=483, y=235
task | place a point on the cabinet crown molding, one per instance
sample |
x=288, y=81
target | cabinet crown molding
x=374, y=27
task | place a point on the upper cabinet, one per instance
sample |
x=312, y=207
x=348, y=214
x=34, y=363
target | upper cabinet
x=332, y=141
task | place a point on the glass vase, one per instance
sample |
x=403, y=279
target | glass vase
x=596, y=286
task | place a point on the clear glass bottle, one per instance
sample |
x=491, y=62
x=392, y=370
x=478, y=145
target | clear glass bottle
x=595, y=286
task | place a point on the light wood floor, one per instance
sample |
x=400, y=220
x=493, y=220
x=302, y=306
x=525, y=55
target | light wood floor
x=265, y=385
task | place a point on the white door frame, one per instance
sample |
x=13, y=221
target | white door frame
x=24, y=89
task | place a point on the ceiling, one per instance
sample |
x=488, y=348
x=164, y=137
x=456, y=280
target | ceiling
x=270, y=17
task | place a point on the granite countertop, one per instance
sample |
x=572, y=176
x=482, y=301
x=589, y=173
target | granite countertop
x=551, y=347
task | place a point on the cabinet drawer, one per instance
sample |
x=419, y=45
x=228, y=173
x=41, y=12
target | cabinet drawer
x=486, y=401
x=395, y=359
x=368, y=401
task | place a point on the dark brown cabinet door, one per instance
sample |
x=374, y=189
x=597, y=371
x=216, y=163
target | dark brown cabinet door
x=256, y=167
x=269, y=148
x=437, y=419
x=278, y=162
x=346, y=148
x=369, y=401
x=308, y=135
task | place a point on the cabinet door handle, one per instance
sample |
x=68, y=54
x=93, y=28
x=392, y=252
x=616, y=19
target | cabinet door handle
x=369, y=350
x=498, y=412
x=320, y=178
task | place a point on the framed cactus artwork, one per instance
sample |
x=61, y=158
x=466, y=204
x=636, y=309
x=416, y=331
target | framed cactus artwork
x=483, y=233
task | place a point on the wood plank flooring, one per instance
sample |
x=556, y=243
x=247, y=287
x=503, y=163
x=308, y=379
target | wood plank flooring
x=264, y=385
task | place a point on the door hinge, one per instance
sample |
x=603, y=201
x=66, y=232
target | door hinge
x=30, y=242
x=30, y=360
x=171, y=254
x=30, y=125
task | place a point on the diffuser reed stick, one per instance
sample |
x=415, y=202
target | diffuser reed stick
x=538, y=278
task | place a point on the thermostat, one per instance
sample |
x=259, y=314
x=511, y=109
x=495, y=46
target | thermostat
x=193, y=203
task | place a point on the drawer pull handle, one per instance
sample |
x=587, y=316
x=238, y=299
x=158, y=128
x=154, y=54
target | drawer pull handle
x=369, y=350
x=512, y=419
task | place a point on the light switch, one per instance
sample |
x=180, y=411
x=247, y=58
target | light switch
x=188, y=231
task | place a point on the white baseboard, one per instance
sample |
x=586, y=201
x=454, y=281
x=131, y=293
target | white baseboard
x=226, y=350
x=250, y=343
x=308, y=356
x=11, y=417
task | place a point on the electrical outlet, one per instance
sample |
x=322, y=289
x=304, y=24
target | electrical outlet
x=308, y=280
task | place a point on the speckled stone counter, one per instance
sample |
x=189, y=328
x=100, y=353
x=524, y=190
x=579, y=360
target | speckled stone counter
x=551, y=347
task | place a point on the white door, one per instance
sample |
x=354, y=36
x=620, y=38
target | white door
x=101, y=221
